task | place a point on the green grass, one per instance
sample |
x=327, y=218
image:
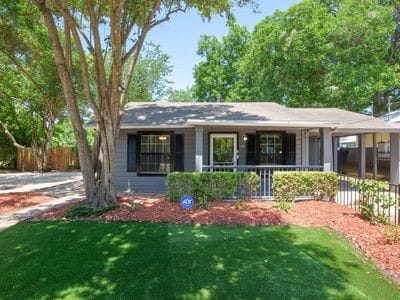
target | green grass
x=87, y=260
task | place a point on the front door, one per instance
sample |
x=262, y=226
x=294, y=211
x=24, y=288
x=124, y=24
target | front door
x=223, y=149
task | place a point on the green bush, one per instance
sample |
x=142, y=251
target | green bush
x=372, y=196
x=210, y=186
x=8, y=158
x=84, y=211
x=287, y=185
x=79, y=211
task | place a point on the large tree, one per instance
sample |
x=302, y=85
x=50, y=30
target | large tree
x=318, y=53
x=31, y=95
x=321, y=53
x=150, y=77
x=79, y=25
x=216, y=75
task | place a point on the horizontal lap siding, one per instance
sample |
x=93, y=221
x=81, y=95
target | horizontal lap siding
x=242, y=144
x=129, y=181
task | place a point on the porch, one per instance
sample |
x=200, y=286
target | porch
x=264, y=172
x=159, y=138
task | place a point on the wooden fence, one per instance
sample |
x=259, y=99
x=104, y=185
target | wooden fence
x=61, y=159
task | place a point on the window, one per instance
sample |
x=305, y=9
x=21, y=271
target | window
x=155, y=153
x=270, y=149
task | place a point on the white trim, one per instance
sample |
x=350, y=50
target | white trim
x=155, y=126
x=297, y=124
x=228, y=135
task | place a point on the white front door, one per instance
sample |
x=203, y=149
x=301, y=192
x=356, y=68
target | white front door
x=223, y=149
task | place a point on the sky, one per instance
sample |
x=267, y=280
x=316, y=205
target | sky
x=179, y=37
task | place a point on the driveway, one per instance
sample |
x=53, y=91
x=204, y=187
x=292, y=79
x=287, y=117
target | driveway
x=65, y=187
x=57, y=184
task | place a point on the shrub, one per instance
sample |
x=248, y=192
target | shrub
x=84, y=211
x=287, y=185
x=373, y=196
x=206, y=187
x=393, y=234
x=79, y=211
x=8, y=158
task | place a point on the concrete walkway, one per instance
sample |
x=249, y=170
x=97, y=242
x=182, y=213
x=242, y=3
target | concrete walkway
x=66, y=187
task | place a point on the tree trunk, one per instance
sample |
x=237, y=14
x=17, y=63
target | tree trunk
x=104, y=172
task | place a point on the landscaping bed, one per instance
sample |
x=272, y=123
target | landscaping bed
x=12, y=202
x=370, y=238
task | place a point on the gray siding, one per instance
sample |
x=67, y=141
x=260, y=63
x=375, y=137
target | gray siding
x=130, y=182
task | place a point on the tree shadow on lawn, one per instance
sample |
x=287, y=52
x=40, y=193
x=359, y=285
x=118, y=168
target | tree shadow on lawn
x=160, y=261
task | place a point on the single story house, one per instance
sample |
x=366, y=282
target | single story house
x=161, y=137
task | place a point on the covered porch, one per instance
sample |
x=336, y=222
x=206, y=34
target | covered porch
x=266, y=149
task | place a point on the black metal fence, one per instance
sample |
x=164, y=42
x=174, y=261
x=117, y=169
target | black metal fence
x=378, y=201
x=265, y=172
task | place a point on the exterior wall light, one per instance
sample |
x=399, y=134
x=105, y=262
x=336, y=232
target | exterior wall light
x=244, y=137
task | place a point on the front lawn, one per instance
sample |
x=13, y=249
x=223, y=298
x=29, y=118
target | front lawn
x=125, y=260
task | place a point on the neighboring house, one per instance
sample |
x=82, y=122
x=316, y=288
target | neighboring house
x=393, y=116
x=158, y=138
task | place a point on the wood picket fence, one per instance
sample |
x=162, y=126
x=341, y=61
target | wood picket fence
x=62, y=159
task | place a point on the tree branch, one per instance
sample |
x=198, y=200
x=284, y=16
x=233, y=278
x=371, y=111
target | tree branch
x=63, y=10
x=152, y=25
x=26, y=73
x=10, y=136
x=82, y=57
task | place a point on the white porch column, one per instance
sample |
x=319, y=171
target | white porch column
x=361, y=155
x=375, y=156
x=305, y=147
x=395, y=158
x=199, y=148
x=326, y=149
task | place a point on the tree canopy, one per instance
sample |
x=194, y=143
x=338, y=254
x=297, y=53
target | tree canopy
x=315, y=54
x=217, y=74
x=150, y=77
x=106, y=68
x=31, y=95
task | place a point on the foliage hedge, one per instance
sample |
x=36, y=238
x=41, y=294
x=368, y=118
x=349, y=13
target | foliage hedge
x=375, y=199
x=210, y=186
x=8, y=158
x=287, y=185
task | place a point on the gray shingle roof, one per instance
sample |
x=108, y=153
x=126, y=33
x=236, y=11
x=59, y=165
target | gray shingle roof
x=153, y=114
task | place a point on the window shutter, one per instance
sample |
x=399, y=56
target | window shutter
x=179, y=163
x=132, y=145
x=289, y=148
x=251, y=150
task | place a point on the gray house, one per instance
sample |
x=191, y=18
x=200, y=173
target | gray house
x=158, y=138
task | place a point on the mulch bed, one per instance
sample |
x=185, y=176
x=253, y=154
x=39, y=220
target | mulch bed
x=367, y=236
x=12, y=202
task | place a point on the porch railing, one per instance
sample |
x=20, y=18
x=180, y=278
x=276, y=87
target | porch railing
x=384, y=203
x=265, y=172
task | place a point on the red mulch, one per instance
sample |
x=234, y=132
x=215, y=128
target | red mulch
x=369, y=237
x=12, y=202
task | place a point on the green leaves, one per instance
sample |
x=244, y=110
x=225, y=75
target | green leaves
x=287, y=185
x=210, y=186
x=315, y=54
x=149, y=79
x=215, y=76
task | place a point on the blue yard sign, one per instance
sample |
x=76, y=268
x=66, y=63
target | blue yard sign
x=187, y=202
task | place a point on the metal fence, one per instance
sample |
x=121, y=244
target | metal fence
x=265, y=172
x=383, y=202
